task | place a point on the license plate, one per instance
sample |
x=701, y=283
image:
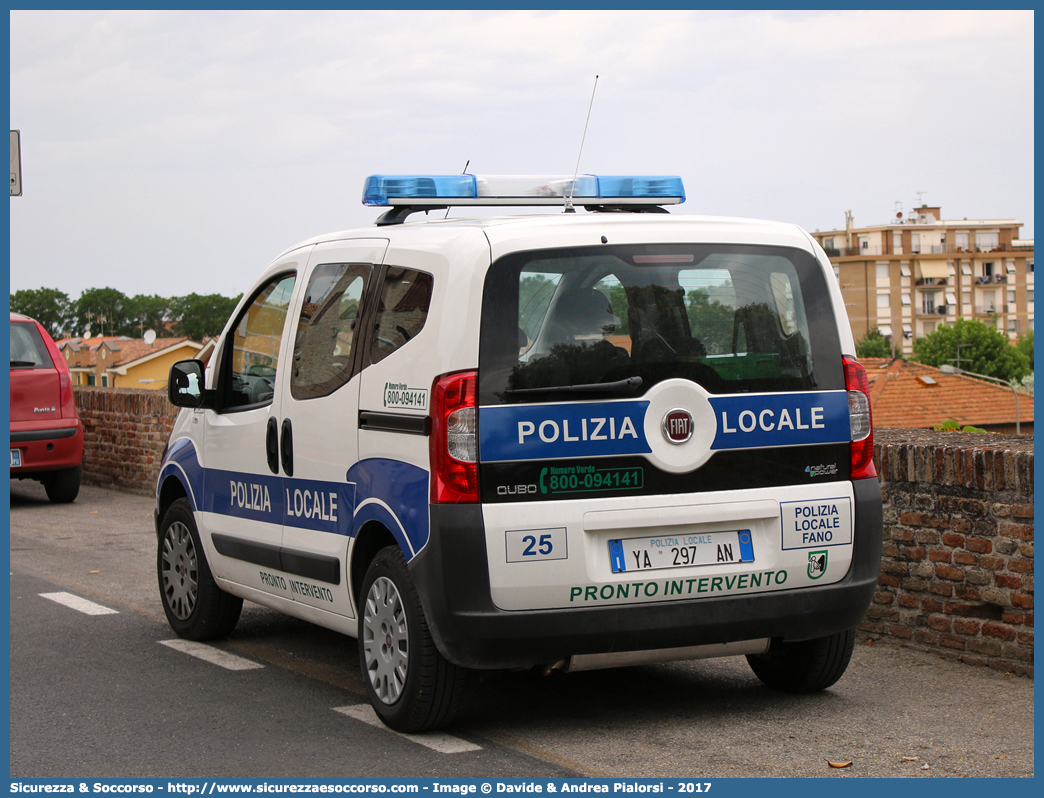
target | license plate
x=681, y=551
x=16, y=458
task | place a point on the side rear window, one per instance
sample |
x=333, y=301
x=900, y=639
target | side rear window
x=28, y=350
x=614, y=321
x=327, y=329
x=401, y=310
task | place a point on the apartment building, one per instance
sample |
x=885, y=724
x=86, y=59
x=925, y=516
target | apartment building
x=908, y=276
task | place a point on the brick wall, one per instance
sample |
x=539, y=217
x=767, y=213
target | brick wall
x=957, y=567
x=125, y=430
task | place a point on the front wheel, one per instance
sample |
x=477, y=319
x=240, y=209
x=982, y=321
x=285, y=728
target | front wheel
x=196, y=608
x=411, y=686
x=805, y=666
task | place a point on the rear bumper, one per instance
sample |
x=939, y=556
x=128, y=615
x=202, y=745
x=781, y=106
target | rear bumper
x=48, y=449
x=452, y=576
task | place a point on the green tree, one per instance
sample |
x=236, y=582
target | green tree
x=1025, y=345
x=198, y=316
x=49, y=306
x=103, y=311
x=873, y=344
x=148, y=313
x=983, y=349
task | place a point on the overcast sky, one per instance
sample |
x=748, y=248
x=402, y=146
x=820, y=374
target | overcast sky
x=177, y=152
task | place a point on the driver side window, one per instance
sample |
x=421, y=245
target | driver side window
x=252, y=350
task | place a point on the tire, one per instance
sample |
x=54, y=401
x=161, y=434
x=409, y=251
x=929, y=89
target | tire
x=411, y=686
x=196, y=608
x=805, y=666
x=63, y=486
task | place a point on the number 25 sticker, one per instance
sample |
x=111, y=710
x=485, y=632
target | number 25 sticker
x=532, y=545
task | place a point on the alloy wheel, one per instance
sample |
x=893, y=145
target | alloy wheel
x=385, y=640
x=180, y=570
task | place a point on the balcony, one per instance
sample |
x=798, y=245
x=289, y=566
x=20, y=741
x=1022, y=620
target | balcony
x=930, y=281
x=991, y=279
x=935, y=310
x=988, y=310
x=976, y=248
x=934, y=249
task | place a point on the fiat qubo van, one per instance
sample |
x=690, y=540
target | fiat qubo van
x=599, y=435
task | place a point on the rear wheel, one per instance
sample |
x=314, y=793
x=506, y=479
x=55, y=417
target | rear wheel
x=411, y=686
x=196, y=608
x=805, y=666
x=63, y=486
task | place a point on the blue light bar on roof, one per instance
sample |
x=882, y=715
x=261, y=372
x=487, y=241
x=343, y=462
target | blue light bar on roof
x=644, y=186
x=447, y=190
x=386, y=189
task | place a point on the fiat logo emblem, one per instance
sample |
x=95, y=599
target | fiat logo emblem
x=677, y=425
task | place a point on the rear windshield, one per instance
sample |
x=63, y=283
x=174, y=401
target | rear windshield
x=28, y=350
x=607, y=322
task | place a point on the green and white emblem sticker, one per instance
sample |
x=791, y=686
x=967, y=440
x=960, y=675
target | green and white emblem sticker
x=398, y=395
x=817, y=563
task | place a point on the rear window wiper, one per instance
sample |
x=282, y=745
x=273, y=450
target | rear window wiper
x=630, y=384
x=20, y=363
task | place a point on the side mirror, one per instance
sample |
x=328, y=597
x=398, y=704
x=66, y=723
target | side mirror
x=185, y=386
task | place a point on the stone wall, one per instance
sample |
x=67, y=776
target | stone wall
x=957, y=567
x=125, y=430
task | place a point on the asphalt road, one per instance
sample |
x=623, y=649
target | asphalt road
x=104, y=695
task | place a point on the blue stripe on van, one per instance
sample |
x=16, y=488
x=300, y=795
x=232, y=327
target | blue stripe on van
x=510, y=433
x=388, y=491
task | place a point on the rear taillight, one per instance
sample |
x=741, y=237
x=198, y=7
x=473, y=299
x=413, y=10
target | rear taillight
x=859, y=417
x=453, y=444
x=65, y=394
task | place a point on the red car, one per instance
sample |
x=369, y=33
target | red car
x=46, y=433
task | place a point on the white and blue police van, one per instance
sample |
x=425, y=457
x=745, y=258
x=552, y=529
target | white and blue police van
x=595, y=435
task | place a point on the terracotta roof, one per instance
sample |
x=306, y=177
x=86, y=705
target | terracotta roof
x=136, y=348
x=91, y=343
x=901, y=397
x=124, y=350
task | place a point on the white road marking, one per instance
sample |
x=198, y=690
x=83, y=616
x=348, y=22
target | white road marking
x=215, y=656
x=437, y=741
x=81, y=604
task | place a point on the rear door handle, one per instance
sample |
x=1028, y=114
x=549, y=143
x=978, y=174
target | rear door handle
x=286, y=448
x=272, y=445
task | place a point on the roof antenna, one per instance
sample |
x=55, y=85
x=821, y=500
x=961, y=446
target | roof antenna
x=569, y=200
x=463, y=173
